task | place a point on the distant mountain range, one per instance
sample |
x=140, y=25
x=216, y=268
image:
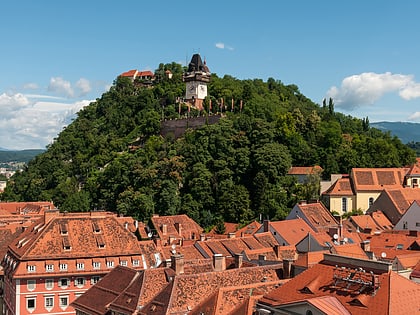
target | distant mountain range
x=7, y=156
x=406, y=131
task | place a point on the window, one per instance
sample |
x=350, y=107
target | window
x=123, y=262
x=344, y=204
x=64, y=282
x=49, y=284
x=136, y=263
x=30, y=303
x=64, y=301
x=94, y=280
x=49, y=267
x=80, y=266
x=405, y=225
x=31, y=284
x=417, y=224
x=371, y=200
x=49, y=302
x=96, y=265
x=79, y=282
x=110, y=263
x=31, y=268
x=63, y=267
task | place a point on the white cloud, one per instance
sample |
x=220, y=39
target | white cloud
x=223, y=46
x=366, y=88
x=414, y=117
x=60, y=86
x=34, y=121
x=84, y=86
x=30, y=86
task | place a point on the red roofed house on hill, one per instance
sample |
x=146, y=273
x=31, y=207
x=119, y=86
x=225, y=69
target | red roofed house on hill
x=60, y=256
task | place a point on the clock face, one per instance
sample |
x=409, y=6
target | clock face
x=192, y=87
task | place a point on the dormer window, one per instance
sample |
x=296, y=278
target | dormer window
x=63, y=267
x=96, y=227
x=80, y=266
x=31, y=268
x=123, y=262
x=63, y=229
x=49, y=267
x=66, y=243
x=96, y=265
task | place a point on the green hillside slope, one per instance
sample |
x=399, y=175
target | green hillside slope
x=113, y=156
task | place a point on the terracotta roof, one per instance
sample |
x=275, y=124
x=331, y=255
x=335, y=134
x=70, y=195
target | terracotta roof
x=266, y=239
x=249, y=229
x=185, y=292
x=416, y=272
x=349, y=250
x=381, y=220
x=409, y=260
x=389, y=293
x=176, y=226
x=341, y=187
x=403, y=197
x=189, y=251
x=310, y=258
x=26, y=207
x=415, y=168
x=377, y=179
x=318, y=215
x=305, y=170
x=364, y=222
x=292, y=230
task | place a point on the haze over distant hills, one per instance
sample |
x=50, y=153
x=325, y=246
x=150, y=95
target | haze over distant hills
x=406, y=131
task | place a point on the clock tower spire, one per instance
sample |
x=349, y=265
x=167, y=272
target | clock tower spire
x=196, y=79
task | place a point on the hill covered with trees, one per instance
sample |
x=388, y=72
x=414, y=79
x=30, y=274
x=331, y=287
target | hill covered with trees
x=113, y=157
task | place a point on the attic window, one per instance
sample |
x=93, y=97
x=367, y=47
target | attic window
x=66, y=243
x=100, y=241
x=63, y=228
x=96, y=227
x=400, y=246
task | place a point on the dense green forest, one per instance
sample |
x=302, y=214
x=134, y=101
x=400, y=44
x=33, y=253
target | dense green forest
x=18, y=156
x=232, y=171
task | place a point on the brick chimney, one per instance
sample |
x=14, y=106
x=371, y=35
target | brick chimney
x=277, y=251
x=219, y=262
x=266, y=224
x=231, y=235
x=177, y=263
x=365, y=245
x=238, y=260
x=202, y=237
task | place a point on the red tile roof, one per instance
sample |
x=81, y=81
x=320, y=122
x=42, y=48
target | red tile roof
x=176, y=226
x=389, y=293
x=26, y=207
x=317, y=215
x=291, y=230
x=377, y=179
x=342, y=187
x=403, y=197
x=415, y=168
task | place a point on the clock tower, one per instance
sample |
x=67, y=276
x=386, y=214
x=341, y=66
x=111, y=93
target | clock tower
x=196, y=79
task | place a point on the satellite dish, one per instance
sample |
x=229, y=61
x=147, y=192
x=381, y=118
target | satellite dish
x=149, y=235
x=383, y=254
x=335, y=236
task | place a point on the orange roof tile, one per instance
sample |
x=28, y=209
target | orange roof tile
x=388, y=294
x=177, y=226
x=291, y=230
x=342, y=187
x=377, y=179
x=317, y=215
x=349, y=250
x=415, y=168
x=403, y=197
x=381, y=220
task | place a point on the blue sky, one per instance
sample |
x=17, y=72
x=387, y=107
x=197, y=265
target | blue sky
x=58, y=56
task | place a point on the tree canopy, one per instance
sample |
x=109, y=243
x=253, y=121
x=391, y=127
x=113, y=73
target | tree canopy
x=112, y=156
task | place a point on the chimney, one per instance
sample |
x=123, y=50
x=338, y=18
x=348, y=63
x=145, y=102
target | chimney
x=365, y=245
x=261, y=258
x=202, y=237
x=287, y=268
x=49, y=214
x=168, y=263
x=219, y=262
x=277, y=251
x=164, y=229
x=238, y=260
x=231, y=235
x=177, y=263
x=266, y=224
x=178, y=227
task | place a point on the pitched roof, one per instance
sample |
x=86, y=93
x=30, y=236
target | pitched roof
x=292, y=231
x=305, y=170
x=72, y=235
x=381, y=220
x=26, y=207
x=318, y=215
x=349, y=250
x=377, y=179
x=415, y=168
x=185, y=292
x=383, y=293
x=177, y=226
x=402, y=198
x=341, y=187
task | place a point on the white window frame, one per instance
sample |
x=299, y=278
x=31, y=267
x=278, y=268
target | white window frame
x=30, y=298
x=110, y=263
x=80, y=266
x=96, y=265
x=49, y=267
x=123, y=263
x=63, y=267
x=49, y=284
x=94, y=280
x=31, y=284
x=62, y=298
x=136, y=262
x=49, y=302
x=60, y=283
x=80, y=282
x=31, y=268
